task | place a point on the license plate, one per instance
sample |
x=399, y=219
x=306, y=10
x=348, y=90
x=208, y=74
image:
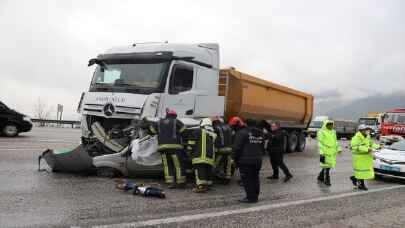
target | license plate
x=390, y=168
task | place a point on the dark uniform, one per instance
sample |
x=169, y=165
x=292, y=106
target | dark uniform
x=203, y=158
x=223, y=151
x=277, y=141
x=170, y=147
x=248, y=149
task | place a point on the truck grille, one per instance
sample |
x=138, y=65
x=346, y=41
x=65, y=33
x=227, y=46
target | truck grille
x=119, y=112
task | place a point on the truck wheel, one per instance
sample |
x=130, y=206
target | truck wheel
x=108, y=172
x=302, y=140
x=292, y=142
x=10, y=130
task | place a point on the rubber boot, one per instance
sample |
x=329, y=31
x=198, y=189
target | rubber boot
x=362, y=185
x=354, y=181
x=327, y=180
x=321, y=177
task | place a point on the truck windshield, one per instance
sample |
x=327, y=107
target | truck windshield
x=395, y=118
x=316, y=124
x=368, y=121
x=142, y=78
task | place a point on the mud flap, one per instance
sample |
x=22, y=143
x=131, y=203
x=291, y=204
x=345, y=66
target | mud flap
x=70, y=161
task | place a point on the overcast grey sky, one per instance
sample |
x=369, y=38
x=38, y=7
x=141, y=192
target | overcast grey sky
x=336, y=48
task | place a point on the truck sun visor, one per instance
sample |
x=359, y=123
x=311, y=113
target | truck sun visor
x=147, y=57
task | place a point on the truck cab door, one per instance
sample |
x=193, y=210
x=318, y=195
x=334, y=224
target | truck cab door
x=180, y=96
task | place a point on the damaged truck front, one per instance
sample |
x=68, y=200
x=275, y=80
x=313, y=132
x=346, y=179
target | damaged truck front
x=144, y=80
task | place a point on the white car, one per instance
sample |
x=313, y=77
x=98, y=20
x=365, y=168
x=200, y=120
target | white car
x=390, y=161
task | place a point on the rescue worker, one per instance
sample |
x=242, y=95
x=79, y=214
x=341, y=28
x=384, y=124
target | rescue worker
x=236, y=124
x=248, y=150
x=277, y=140
x=328, y=149
x=362, y=147
x=170, y=147
x=203, y=156
x=223, y=150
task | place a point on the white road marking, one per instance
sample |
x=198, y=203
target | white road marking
x=188, y=218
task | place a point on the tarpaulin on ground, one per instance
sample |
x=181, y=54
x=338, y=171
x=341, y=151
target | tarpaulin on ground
x=68, y=160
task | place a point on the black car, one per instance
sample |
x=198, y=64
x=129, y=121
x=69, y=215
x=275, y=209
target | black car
x=13, y=122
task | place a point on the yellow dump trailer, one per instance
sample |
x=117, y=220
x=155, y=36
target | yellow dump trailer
x=251, y=97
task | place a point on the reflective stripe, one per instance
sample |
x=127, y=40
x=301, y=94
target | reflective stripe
x=203, y=161
x=179, y=175
x=203, y=144
x=168, y=179
x=197, y=179
x=218, y=160
x=225, y=150
x=228, y=172
x=359, y=153
x=170, y=146
x=191, y=142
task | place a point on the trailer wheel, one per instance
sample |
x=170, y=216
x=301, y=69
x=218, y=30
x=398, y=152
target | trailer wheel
x=292, y=142
x=302, y=140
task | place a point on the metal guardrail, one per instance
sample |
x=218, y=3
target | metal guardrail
x=59, y=122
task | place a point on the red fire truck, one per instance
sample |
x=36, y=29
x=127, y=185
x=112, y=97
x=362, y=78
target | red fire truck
x=393, y=122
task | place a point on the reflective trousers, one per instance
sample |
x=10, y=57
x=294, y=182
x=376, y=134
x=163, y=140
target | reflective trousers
x=172, y=166
x=203, y=174
x=223, y=166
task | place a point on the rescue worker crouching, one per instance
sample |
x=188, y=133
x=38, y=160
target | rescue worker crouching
x=328, y=149
x=223, y=151
x=248, y=150
x=203, y=156
x=362, y=147
x=170, y=147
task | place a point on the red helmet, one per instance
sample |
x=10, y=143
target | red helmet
x=171, y=112
x=236, y=121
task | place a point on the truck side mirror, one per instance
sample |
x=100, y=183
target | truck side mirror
x=79, y=106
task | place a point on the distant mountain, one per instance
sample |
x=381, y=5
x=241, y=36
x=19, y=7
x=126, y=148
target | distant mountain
x=354, y=109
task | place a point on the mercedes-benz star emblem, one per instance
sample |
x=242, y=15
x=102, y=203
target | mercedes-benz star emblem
x=109, y=109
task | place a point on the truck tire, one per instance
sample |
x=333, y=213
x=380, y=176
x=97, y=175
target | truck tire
x=10, y=130
x=292, y=142
x=302, y=140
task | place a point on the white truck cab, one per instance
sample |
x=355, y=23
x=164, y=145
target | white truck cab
x=143, y=80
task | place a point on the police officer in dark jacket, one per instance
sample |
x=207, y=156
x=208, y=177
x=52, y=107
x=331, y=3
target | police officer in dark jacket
x=277, y=140
x=247, y=153
x=170, y=147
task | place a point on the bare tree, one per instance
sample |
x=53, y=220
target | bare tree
x=42, y=111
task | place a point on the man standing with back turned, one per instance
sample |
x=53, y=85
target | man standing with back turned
x=328, y=149
x=277, y=140
x=248, y=150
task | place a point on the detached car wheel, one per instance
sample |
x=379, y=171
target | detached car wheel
x=10, y=130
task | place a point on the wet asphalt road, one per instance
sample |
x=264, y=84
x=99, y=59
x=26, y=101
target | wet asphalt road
x=29, y=198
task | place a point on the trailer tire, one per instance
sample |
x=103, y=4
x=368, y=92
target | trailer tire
x=302, y=140
x=292, y=142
